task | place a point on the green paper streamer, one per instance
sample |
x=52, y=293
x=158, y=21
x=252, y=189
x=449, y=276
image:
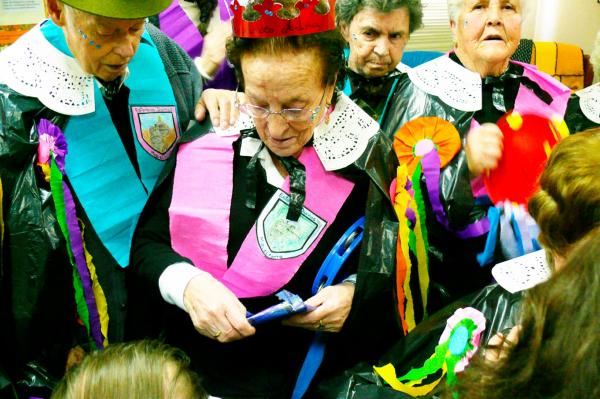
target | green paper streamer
x=56, y=187
x=443, y=355
x=420, y=203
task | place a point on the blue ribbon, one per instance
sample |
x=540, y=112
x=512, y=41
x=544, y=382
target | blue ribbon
x=330, y=268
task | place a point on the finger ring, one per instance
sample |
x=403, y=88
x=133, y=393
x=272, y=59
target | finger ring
x=216, y=334
x=321, y=326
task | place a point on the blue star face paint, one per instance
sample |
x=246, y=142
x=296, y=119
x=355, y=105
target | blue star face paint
x=89, y=41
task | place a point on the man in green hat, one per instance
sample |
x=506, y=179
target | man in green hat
x=92, y=103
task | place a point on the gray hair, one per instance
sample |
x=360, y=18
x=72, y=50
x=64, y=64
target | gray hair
x=346, y=10
x=455, y=6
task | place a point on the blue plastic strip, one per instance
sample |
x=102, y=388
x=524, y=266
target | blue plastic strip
x=332, y=264
x=487, y=256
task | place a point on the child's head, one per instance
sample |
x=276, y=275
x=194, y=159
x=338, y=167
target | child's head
x=567, y=205
x=136, y=370
x=556, y=353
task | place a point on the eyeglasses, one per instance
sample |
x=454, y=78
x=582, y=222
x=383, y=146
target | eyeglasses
x=289, y=114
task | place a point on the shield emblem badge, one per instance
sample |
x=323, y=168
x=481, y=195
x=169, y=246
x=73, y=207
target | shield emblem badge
x=280, y=238
x=157, y=129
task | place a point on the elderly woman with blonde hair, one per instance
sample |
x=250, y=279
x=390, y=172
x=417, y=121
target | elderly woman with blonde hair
x=468, y=91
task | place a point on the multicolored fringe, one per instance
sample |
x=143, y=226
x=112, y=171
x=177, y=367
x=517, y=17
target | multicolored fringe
x=89, y=296
x=412, y=238
x=457, y=345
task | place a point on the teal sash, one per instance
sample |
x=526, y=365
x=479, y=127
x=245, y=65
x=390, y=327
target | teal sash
x=97, y=164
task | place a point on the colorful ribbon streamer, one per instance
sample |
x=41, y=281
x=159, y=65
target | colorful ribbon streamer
x=89, y=296
x=457, y=345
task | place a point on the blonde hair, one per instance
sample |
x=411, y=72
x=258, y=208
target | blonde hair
x=567, y=206
x=135, y=370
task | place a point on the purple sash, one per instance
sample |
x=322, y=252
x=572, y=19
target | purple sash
x=175, y=23
x=199, y=218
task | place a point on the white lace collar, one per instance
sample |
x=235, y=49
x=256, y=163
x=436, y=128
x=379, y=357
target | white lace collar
x=522, y=273
x=35, y=68
x=403, y=67
x=338, y=142
x=589, y=102
x=453, y=84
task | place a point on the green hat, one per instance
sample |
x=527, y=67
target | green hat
x=123, y=9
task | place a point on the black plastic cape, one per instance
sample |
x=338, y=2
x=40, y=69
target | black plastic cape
x=37, y=307
x=500, y=308
x=453, y=268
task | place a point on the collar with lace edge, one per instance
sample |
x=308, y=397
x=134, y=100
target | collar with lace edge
x=35, y=68
x=339, y=140
x=455, y=85
x=589, y=102
x=403, y=67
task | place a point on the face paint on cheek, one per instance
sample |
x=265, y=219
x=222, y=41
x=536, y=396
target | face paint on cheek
x=89, y=41
x=354, y=36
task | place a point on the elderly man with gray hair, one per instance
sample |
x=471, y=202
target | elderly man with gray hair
x=92, y=104
x=377, y=32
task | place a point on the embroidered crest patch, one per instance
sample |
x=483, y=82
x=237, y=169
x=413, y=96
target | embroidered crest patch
x=157, y=129
x=280, y=238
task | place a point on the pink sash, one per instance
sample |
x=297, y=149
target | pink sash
x=200, y=208
x=528, y=103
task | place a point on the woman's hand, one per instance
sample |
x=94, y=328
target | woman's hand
x=214, y=48
x=215, y=311
x=332, y=305
x=220, y=104
x=499, y=344
x=484, y=148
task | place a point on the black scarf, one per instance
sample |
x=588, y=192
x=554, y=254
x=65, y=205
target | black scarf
x=295, y=170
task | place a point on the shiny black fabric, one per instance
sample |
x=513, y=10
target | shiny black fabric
x=373, y=303
x=500, y=308
x=37, y=311
x=453, y=267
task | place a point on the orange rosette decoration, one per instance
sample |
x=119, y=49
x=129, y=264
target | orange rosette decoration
x=422, y=135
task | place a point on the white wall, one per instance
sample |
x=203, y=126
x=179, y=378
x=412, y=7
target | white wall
x=569, y=21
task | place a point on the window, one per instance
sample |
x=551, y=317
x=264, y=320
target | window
x=435, y=35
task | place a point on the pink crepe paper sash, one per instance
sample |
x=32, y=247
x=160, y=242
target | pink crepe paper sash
x=200, y=209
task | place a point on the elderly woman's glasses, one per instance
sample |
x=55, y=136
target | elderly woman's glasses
x=289, y=114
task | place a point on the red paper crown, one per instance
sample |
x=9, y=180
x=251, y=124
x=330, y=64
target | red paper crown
x=279, y=18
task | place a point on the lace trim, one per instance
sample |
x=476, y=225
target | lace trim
x=35, y=68
x=589, y=102
x=522, y=273
x=338, y=142
x=344, y=138
x=454, y=85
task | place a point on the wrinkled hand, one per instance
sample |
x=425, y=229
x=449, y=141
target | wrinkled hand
x=484, y=148
x=332, y=305
x=214, y=48
x=501, y=344
x=215, y=310
x=220, y=104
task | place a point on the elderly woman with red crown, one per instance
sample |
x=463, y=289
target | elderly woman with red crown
x=250, y=216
